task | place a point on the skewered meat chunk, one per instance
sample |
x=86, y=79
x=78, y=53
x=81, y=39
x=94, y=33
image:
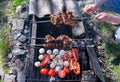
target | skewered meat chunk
x=49, y=38
x=49, y=45
x=64, y=38
x=68, y=17
x=56, y=19
x=54, y=45
x=60, y=41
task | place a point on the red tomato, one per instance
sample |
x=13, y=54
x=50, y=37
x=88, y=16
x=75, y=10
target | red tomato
x=67, y=70
x=44, y=71
x=61, y=73
x=51, y=72
x=46, y=60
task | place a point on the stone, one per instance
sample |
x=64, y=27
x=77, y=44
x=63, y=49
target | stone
x=9, y=78
x=21, y=37
x=10, y=55
x=21, y=76
x=18, y=9
x=18, y=52
x=18, y=24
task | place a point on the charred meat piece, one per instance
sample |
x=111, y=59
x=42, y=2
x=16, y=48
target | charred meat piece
x=54, y=45
x=49, y=38
x=65, y=38
x=68, y=17
x=56, y=19
x=49, y=45
x=64, y=14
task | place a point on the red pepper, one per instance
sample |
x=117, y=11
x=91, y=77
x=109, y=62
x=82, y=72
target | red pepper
x=75, y=53
x=45, y=60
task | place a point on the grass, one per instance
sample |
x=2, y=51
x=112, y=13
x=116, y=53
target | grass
x=16, y=3
x=112, y=50
x=4, y=44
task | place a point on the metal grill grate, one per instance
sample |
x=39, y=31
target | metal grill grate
x=42, y=30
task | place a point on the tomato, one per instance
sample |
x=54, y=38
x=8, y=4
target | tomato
x=44, y=71
x=46, y=60
x=61, y=73
x=67, y=70
x=51, y=72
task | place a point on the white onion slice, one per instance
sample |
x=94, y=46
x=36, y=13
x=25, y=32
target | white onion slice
x=41, y=50
x=41, y=57
x=37, y=64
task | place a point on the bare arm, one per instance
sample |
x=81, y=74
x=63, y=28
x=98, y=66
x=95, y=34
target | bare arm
x=89, y=9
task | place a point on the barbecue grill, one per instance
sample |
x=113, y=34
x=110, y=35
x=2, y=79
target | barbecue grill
x=84, y=44
x=40, y=25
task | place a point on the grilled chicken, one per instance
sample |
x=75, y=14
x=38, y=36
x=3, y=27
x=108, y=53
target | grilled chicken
x=68, y=17
x=64, y=38
x=60, y=41
x=54, y=45
x=56, y=19
x=49, y=38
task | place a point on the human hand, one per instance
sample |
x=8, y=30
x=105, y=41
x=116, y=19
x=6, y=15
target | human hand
x=102, y=17
x=89, y=9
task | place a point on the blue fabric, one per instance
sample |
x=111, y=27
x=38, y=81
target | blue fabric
x=117, y=34
x=112, y=5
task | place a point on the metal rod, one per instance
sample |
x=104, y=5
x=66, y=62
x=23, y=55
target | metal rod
x=47, y=21
x=44, y=38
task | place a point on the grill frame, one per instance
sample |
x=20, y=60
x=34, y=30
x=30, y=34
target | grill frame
x=30, y=72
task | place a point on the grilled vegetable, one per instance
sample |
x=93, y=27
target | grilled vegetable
x=55, y=51
x=44, y=71
x=40, y=57
x=75, y=53
x=62, y=52
x=77, y=70
x=66, y=63
x=67, y=70
x=61, y=73
x=49, y=52
x=46, y=60
x=37, y=64
x=51, y=72
x=52, y=65
x=41, y=50
x=57, y=68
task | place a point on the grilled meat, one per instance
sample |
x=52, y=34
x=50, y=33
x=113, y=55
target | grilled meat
x=65, y=38
x=49, y=38
x=54, y=45
x=60, y=41
x=64, y=14
x=68, y=17
x=56, y=19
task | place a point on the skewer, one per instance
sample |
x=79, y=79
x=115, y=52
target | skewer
x=42, y=45
x=47, y=21
x=44, y=38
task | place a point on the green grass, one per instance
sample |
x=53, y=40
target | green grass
x=112, y=50
x=16, y=3
x=4, y=44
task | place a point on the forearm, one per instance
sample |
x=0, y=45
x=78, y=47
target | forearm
x=100, y=2
x=115, y=19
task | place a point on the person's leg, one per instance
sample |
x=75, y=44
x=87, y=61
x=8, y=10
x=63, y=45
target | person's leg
x=112, y=5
